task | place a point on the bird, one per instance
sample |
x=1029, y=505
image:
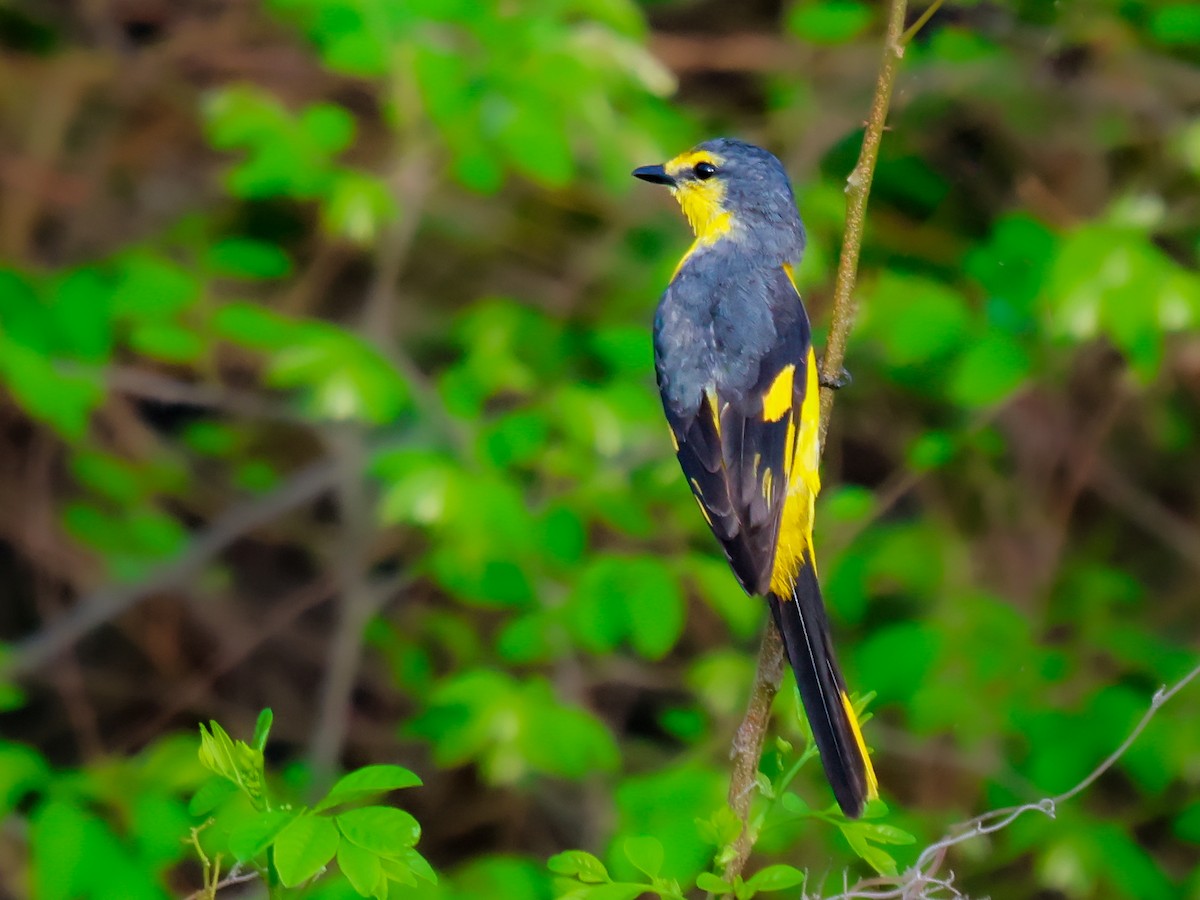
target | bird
x=737, y=372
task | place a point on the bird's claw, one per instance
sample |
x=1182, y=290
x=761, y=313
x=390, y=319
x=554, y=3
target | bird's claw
x=837, y=382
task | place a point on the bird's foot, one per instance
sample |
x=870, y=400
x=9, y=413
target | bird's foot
x=835, y=383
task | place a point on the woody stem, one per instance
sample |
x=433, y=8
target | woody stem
x=751, y=734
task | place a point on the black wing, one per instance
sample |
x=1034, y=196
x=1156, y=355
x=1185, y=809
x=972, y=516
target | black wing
x=736, y=447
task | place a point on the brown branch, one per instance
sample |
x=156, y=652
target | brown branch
x=751, y=734
x=107, y=603
x=357, y=604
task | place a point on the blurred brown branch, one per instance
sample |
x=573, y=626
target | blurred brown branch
x=107, y=603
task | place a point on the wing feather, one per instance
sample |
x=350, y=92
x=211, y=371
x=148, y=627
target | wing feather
x=736, y=447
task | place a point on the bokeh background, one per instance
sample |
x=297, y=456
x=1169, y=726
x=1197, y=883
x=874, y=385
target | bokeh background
x=326, y=385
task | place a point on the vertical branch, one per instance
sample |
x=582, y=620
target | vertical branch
x=751, y=734
x=858, y=189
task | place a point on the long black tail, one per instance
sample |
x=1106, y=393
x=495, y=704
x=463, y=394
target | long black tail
x=805, y=630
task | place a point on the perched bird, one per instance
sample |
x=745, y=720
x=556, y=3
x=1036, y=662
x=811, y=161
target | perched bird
x=738, y=377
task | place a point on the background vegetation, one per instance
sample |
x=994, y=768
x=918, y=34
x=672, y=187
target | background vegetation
x=326, y=386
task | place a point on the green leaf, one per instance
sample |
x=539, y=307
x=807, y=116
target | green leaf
x=249, y=838
x=829, y=21
x=991, y=369
x=1186, y=825
x=330, y=126
x=932, y=450
x=579, y=864
x=885, y=834
x=108, y=475
x=717, y=586
x=616, y=891
x=234, y=760
x=210, y=795
x=361, y=867
x=254, y=326
x=416, y=863
x=358, y=207
x=877, y=858
x=22, y=770
x=303, y=848
x=1012, y=266
x=344, y=376
x=1177, y=24
x=151, y=288
x=897, y=660
x=720, y=829
x=636, y=596
x=560, y=739
x=646, y=854
x=255, y=476
x=381, y=829
x=27, y=321
x=707, y=881
x=692, y=788
x=1129, y=866
x=167, y=342
x=774, y=878
x=1112, y=280
x=248, y=258
x=394, y=870
x=210, y=438
x=916, y=320
x=62, y=399
x=157, y=821
x=367, y=782
x=537, y=143
x=76, y=854
x=83, y=315
x=262, y=729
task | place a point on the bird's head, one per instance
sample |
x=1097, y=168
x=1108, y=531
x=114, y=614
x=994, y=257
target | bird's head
x=729, y=187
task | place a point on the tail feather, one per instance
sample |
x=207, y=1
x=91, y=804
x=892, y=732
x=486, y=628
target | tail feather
x=805, y=630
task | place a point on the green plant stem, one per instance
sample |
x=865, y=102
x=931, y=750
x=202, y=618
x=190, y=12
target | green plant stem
x=922, y=21
x=751, y=734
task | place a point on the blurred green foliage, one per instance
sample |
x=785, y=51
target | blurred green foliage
x=401, y=238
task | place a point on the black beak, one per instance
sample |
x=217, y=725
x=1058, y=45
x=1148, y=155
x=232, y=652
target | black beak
x=654, y=175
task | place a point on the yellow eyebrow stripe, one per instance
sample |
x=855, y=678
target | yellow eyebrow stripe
x=778, y=399
x=686, y=161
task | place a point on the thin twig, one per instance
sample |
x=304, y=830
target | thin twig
x=921, y=22
x=923, y=874
x=358, y=603
x=228, y=881
x=238, y=645
x=751, y=734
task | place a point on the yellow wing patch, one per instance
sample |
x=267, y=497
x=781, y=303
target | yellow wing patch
x=778, y=399
x=808, y=452
x=794, y=547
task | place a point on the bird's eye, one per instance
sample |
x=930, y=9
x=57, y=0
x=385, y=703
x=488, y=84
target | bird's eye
x=705, y=170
